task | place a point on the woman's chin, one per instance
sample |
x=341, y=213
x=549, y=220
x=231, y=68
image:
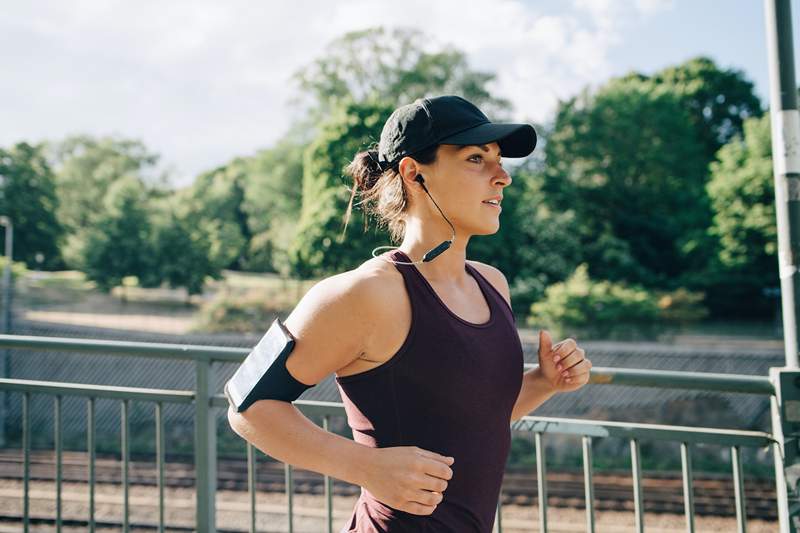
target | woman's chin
x=487, y=229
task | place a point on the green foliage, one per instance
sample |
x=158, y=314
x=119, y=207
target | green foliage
x=594, y=308
x=742, y=193
x=631, y=161
x=118, y=243
x=318, y=248
x=181, y=253
x=18, y=269
x=682, y=306
x=215, y=203
x=272, y=201
x=391, y=66
x=718, y=100
x=605, y=309
x=28, y=199
x=86, y=167
x=628, y=162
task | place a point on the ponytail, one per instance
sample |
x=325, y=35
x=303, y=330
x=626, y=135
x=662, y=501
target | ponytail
x=381, y=190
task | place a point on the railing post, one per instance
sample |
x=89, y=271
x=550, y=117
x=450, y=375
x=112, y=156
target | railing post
x=205, y=449
x=785, y=411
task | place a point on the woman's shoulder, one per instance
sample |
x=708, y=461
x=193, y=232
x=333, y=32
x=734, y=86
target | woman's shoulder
x=365, y=287
x=339, y=319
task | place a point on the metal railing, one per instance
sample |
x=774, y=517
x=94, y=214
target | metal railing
x=207, y=406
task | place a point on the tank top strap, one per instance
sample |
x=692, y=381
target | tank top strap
x=493, y=295
x=423, y=295
x=415, y=283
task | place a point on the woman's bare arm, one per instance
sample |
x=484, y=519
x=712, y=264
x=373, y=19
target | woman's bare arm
x=332, y=325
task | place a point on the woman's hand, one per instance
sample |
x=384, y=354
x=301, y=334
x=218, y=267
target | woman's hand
x=408, y=478
x=564, y=365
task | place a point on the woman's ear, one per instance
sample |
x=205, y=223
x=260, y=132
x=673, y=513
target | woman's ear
x=409, y=170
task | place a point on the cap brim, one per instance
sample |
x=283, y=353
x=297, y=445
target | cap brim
x=515, y=140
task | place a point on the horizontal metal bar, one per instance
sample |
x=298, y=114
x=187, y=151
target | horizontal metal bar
x=159, y=350
x=589, y=428
x=600, y=375
x=97, y=391
x=672, y=379
x=627, y=430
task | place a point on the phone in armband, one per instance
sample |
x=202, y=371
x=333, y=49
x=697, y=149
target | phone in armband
x=263, y=374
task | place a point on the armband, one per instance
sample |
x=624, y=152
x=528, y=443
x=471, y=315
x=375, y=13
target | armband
x=263, y=374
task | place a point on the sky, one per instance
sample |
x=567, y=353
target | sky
x=201, y=82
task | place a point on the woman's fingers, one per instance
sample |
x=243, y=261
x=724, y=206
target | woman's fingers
x=574, y=357
x=432, y=483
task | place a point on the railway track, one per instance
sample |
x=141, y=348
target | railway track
x=663, y=493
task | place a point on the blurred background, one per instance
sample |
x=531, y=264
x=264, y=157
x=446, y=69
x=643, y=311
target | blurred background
x=174, y=172
x=178, y=168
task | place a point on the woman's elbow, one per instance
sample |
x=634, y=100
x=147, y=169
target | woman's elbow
x=236, y=421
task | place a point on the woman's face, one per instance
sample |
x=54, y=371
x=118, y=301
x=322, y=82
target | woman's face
x=462, y=180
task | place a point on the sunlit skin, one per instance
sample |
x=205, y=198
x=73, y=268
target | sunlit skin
x=460, y=179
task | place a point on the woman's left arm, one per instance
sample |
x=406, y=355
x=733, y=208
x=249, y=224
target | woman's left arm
x=562, y=368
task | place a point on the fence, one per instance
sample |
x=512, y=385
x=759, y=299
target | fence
x=781, y=386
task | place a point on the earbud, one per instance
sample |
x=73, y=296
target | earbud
x=431, y=254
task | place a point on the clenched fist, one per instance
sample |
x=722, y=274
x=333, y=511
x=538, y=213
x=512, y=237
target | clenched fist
x=408, y=478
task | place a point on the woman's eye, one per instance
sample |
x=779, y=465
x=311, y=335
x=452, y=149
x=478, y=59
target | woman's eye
x=480, y=158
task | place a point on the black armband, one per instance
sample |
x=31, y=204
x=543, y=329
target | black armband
x=263, y=374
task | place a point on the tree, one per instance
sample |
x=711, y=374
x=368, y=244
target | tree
x=272, y=201
x=216, y=201
x=181, y=252
x=28, y=198
x=119, y=243
x=628, y=161
x=319, y=247
x=391, y=66
x=718, y=100
x=85, y=169
x=742, y=193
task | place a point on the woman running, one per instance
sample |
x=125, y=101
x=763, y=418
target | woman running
x=422, y=341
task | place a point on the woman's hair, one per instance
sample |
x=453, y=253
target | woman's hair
x=381, y=191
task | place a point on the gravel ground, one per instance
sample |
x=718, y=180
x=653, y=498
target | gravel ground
x=309, y=511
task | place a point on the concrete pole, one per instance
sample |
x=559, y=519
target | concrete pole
x=786, y=163
x=6, y=322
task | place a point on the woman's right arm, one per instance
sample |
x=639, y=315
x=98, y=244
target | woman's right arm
x=332, y=324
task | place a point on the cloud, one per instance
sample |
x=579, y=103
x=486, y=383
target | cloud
x=201, y=82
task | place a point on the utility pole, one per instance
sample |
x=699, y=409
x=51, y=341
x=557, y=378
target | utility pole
x=6, y=322
x=786, y=163
x=785, y=124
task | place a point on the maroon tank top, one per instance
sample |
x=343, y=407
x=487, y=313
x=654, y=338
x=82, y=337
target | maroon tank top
x=450, y=388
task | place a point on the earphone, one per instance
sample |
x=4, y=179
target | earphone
x=431, y=254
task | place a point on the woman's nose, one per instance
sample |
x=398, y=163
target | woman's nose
x=502, y=176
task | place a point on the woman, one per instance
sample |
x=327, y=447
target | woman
x=426, y=352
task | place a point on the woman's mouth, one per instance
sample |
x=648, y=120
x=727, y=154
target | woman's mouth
x=493, y=203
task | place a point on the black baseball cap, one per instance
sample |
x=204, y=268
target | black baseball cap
x=448, y=119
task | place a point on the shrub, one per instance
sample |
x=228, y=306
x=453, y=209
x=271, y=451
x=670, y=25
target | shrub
x=18, y=268
x=681, y=306
x=607, y=309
